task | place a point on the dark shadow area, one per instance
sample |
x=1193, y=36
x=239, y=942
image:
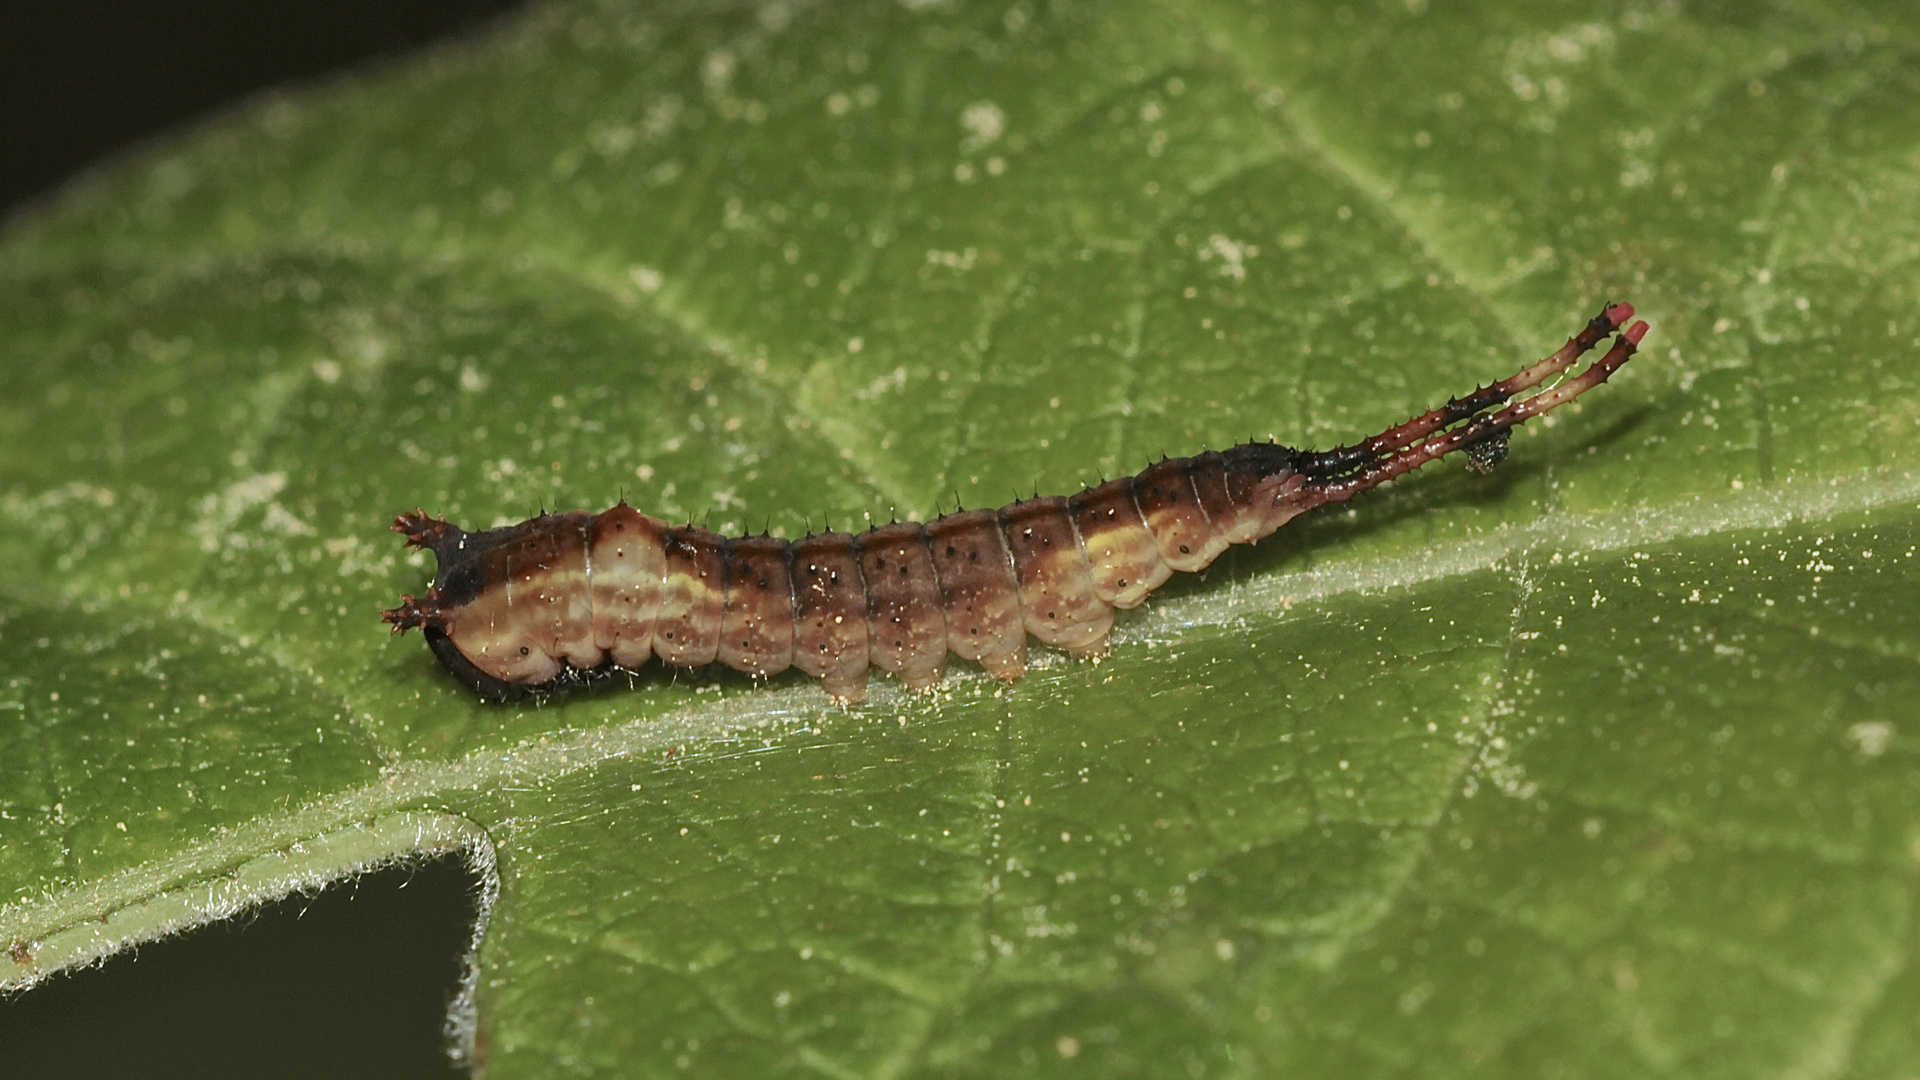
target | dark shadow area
x=353, y=981
x=82, y=79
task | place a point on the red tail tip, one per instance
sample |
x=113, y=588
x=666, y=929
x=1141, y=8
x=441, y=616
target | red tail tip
x=1636, y=331
x=1618, y=314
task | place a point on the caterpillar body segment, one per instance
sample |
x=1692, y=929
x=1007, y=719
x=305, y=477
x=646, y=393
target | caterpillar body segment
x=830, y=613
x=560, y=599
x=627, y=561
x=756, y=618
x=686, y=632
x=906, y=629
x=1122, y=554
x=979, y=595
x=1057, y=603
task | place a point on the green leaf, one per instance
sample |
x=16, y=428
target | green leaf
x=1603, y=765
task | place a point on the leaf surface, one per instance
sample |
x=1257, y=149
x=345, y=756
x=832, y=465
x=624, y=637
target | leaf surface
x=1603, y=764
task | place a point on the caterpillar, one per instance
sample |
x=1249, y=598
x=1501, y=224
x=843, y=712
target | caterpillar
x=561, y=599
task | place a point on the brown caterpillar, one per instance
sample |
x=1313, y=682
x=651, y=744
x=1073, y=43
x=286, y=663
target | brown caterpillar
x=564, y=598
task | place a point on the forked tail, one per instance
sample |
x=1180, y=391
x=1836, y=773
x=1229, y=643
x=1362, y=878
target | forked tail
x=1465, y=423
